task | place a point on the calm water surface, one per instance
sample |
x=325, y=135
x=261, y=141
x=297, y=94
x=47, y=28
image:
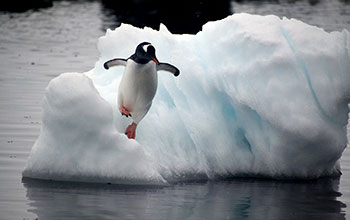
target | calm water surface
x=36, y=46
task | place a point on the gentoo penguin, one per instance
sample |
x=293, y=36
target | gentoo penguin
x=139, y=83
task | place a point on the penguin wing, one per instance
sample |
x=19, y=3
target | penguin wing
x=114, y=62
x=168, y=67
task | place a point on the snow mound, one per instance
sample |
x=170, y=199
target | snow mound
x=78, y=140
x=257, y=96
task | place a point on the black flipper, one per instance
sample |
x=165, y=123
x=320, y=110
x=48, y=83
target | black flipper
x=114, y=62
x=168, y=67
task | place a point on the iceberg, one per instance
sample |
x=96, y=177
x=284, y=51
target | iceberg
x=257, y=96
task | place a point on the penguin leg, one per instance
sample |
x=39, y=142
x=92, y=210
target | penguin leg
x=124, y=111
x=131, y=131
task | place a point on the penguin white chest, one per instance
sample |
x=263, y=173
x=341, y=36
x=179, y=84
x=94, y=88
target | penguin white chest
x=139, y=83
x=138, y=88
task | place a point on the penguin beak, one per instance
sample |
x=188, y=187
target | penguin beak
x=155, y=60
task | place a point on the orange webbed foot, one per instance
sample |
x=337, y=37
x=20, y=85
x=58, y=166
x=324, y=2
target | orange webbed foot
x=131, y=131
x=124, y=111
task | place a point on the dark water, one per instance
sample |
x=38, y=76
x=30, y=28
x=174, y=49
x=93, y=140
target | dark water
x=236, y=199
x=37, y=45
x=180, y=16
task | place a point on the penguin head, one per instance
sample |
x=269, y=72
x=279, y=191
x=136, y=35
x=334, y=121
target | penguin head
x=144, y=53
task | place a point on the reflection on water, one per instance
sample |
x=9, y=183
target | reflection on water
x=234, y=199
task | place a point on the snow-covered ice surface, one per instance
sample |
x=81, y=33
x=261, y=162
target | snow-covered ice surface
x=256, y=96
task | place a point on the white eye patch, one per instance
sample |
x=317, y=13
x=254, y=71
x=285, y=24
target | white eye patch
x=145, y=47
